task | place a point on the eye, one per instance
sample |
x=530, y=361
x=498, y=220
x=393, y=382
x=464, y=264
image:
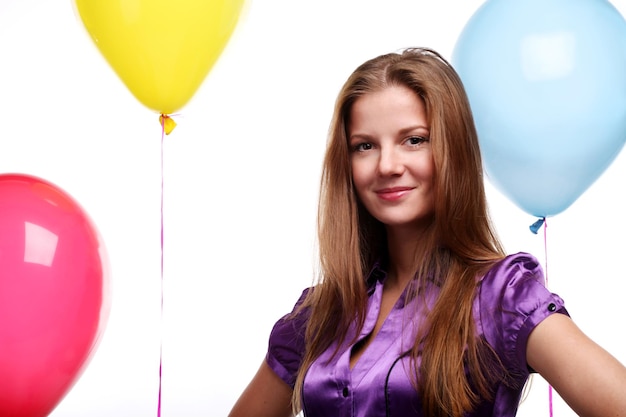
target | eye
x=416, y=140
x=364, y=146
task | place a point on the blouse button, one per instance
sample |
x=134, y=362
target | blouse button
x=552, y=307
x=345, y=392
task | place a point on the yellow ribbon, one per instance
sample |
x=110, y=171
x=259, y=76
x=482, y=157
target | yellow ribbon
x=167, y=123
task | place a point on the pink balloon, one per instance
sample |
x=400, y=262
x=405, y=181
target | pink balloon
x=54, y=294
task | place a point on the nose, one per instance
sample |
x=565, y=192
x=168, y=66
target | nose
x=390, y=162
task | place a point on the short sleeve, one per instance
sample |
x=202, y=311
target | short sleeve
x=286, y=343
x=512, y=301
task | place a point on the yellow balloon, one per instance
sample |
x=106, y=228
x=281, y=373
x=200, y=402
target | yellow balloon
x=161, y=49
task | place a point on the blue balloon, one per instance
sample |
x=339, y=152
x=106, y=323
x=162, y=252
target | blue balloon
x=546, y=80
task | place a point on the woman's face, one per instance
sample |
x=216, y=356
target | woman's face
x=391, y=155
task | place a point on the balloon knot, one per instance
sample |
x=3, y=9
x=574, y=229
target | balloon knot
x=537, y=225
x=167, y=123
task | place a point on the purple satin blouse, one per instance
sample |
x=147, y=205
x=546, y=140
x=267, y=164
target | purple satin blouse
x=511, y=300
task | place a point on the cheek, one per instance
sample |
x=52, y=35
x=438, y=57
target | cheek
x=359, y=176
x=428, y=169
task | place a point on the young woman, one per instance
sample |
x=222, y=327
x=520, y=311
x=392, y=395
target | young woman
x=418, y=311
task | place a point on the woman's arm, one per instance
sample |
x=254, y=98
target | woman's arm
x=588, y=378
x=266, y=396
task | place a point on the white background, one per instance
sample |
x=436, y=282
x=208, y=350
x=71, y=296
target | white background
x=241, y=173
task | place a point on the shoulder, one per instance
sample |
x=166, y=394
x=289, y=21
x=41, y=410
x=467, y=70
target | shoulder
x=286, y=343
x=512, y=300
x=291, y=326
x=513, y=280
x=514, y=267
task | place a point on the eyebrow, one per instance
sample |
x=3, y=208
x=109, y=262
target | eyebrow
x=413, y=128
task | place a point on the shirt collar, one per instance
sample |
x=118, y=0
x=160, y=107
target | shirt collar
x=376, y=274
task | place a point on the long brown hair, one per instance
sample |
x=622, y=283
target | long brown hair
x=460, y=246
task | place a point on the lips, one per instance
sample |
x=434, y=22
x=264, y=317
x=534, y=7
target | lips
x=394, y=193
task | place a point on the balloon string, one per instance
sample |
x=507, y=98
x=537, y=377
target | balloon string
x=535, y=228
x=545, y=248
x=545, y=254
x=167, y=125
x=163, y=133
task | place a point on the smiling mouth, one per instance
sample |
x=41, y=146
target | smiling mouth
x=393, y=194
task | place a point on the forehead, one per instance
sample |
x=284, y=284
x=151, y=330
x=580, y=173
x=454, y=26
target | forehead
x=391, y=105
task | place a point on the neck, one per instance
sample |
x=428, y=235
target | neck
x=403, y=251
